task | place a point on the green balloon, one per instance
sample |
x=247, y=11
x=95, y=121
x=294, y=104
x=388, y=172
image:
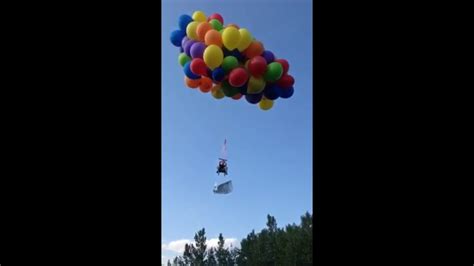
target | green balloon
x=229, y=63
x=216, y=24
x=183, y=59
x=228, y=90
x=255, y=85
x=274, y=72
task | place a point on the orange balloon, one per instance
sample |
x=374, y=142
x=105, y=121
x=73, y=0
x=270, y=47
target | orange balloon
x=255, y=48
x=192, y=83
x=213, y=37
x=206, y=84
x=202, y=29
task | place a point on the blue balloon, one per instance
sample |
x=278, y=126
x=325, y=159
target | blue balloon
x=218, y=74
x=272, y=92
x=254, y=98
x=286, y=93
x=243, y=89
x=176, y=37
x=184, y=20
x=269, y=57
x=237, y=55
x=188, y=72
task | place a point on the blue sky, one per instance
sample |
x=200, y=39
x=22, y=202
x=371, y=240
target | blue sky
x=270, y=152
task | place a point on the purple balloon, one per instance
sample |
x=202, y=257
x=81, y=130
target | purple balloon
x=187, y=47
x=183, y=41
x=197, y=50
x=269, y=57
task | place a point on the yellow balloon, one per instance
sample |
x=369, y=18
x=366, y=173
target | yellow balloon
x=231, y=38
x=213, y=56
x=217, y=92
x=199, y=16
x=265, y=104
x=255, y=85
x=245, y=39
x=191, y=30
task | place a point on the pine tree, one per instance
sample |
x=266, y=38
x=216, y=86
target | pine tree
x=200, y=252
x=211, y=258
x=222, y=253
x=169, y=263
x=188, y=254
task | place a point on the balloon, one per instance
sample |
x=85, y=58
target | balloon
x=199, y=16
x=216, y=24
x=228, y=89
x=235, y=53
x=255, y=85
x=205, y=85
x=184, y=40
x=257, y=66
x=197, y=50
x=184, y=20
x=176, y=37
x=218, y=74
x=217, y=92
x=188, y=72
x=271, y=92
x=192, y=83
x=231, y=38
x=284, y=64
x=213, y=56
x=237, y=96
x=286, y=93
x=274, y=71
x=217, y=17
x=265, y=104
x=229, y=63
x=202, y=29
x=253, y=98
x=198, y=67
x=213, y=37
x=183, y=59
x=191, y=30
x=269, y=57
x=245, y=39
x=187, y=47
x=243, y=89
x=255, y=49
x=232, y=25
x=286, y=81
x=238, y=77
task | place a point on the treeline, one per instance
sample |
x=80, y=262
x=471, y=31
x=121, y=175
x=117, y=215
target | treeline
x=291, y=245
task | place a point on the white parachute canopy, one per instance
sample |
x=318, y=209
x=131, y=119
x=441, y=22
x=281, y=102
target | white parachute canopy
x=223, y=188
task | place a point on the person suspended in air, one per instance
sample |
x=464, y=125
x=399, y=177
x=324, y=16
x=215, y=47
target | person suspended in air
x=222, y=167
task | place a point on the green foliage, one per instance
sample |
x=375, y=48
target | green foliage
x=291, y=245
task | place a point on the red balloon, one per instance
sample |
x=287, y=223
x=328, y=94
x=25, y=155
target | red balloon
x=257, y=66
x=286, y=81
x=216, y=16
x=198, y=67
x=237, y=96
x=284, y=64
x=238, y=77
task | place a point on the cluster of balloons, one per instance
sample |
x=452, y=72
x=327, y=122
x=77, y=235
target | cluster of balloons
x=228, y=62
